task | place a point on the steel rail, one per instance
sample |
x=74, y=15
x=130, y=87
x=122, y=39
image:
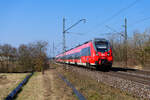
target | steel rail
x=135, y=74
x=130, y=77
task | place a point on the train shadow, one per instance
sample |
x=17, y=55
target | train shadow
x=116, y=69
x=113, y=69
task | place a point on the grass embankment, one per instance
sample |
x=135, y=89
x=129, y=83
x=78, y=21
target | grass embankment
x=9, y=81
x=93, y=90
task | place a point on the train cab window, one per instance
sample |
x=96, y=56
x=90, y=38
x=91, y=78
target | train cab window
x=101, y=46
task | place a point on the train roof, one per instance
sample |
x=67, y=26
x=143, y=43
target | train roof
x=95, y=39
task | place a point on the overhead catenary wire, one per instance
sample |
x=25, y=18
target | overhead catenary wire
x=115, y=32
x=114, y=15
x=139, y=21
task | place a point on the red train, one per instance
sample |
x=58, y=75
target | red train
x=96, y=52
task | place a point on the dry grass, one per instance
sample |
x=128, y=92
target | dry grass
x=8, y=82
x=46, y=87
x=33, y=89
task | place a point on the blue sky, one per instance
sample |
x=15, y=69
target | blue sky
x=24, y=21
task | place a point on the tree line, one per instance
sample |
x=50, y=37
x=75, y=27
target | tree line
x=25, y=58
x=138, y=49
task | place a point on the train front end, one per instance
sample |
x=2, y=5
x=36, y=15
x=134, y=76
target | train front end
x=103, y=56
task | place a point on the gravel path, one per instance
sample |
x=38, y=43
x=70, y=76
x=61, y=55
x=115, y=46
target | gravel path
x=55, y=88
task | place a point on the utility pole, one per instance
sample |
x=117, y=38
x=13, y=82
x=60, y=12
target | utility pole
x=125, y=36
x=126, y=43
x=66, y=31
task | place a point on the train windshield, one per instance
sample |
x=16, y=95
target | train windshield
x=101, y=46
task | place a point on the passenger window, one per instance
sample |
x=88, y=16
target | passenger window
x=86, y=51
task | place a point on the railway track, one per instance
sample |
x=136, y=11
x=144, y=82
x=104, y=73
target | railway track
x=132, y=71
x=139, y=78
x=133, y=81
